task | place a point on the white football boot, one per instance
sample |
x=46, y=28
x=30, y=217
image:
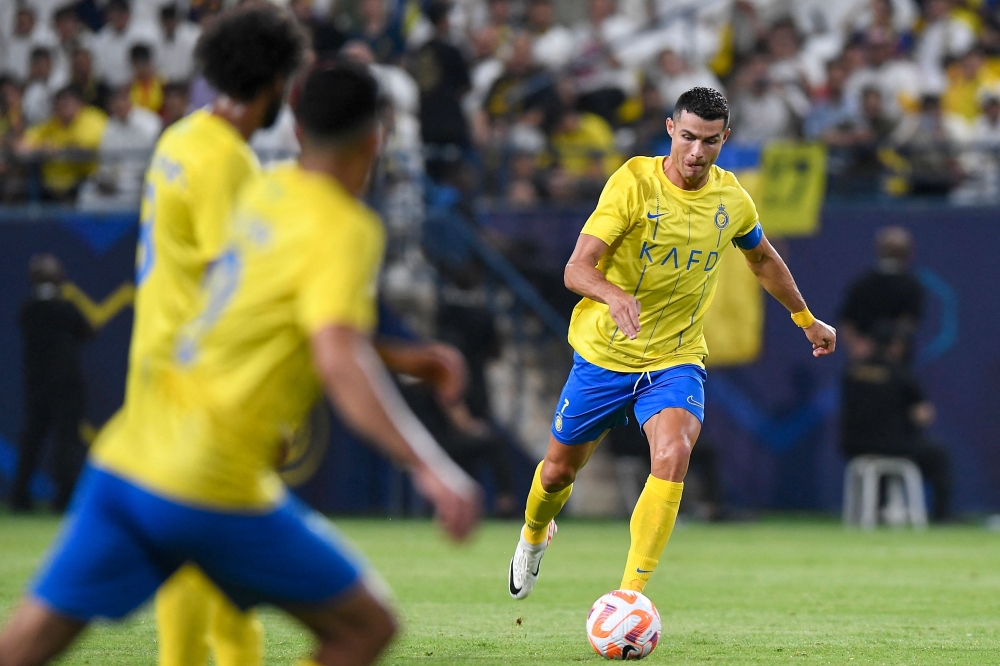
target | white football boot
x=524, y=565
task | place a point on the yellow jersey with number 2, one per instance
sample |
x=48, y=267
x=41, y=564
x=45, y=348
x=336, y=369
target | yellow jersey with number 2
x=664, y=249
x=199, y=165
x=301, y=253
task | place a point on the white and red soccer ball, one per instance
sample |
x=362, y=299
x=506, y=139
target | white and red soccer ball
x=623, y=625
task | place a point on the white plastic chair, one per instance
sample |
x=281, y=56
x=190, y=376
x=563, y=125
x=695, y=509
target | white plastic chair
x=861, y=490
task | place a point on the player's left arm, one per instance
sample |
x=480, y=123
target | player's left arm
x=774, y=276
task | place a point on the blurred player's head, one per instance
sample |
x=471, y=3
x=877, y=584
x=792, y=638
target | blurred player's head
x=698, y=128
x=250, y=53
x=337, y=114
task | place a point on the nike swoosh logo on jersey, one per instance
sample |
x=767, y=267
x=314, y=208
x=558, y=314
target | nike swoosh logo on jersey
x=653, y=217
x=692, y=401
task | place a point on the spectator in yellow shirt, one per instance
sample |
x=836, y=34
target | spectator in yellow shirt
x=584, y=145
x=65, y=143
x=147, y=88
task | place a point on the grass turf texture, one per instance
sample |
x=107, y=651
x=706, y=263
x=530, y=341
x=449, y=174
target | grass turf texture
x=766, y=593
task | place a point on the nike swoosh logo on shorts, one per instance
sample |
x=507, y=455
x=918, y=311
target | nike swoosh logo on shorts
x=653, y=217
x=692, y=401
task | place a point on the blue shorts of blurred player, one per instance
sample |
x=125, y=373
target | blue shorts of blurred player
x=120, y=542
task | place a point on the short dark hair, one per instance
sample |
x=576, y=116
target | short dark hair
x=247, y=49
x=140, y=53
x=66, y=11
x=169, y=12
x=39, y=52
x=120, y=5
x=337, y=102
x=706, y=103
x=71, y=90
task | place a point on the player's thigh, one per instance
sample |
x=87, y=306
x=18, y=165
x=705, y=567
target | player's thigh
x=102, y=564
x=290, y=555
x=593, y=400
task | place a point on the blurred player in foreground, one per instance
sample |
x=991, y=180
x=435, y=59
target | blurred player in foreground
x=188, y=474
x=200, y=163
x=646, y=264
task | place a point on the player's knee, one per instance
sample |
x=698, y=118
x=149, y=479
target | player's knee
x=557, y=475
x=675, y=450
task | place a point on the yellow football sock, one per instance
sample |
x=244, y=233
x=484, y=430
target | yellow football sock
x=192, y=613
x=652, y=522
x=236, y=636
x=541, y=508
x=182, y=619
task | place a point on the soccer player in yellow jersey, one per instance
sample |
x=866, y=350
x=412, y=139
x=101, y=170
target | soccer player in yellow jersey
x=646, y=264
x=188, y=474
x=199, y=165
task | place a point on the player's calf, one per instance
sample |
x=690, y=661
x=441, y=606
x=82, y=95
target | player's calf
x=352, y=631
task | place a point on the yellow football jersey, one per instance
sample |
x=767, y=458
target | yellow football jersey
x=199, y=165
x=665, y=244
x=301, y=254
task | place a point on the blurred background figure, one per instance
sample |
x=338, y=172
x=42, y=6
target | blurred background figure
x=66, y=143
x=123, y=154
x=52, y=333
x=884, y=306
x=884, y=412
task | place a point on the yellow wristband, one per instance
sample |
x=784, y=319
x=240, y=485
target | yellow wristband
x=803, y=319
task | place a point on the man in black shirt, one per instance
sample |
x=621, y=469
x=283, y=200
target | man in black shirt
x=53, y=331
x=884, y=412
x=888, y=297
x=443, y=77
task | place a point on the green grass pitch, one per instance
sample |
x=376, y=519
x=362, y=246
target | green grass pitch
x=784, y=592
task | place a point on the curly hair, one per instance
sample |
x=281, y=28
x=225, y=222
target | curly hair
x=247, y=49
x=706, y=103
x=336, y=102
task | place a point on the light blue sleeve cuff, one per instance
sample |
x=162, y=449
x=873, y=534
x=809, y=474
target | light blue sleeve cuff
x=751, y=239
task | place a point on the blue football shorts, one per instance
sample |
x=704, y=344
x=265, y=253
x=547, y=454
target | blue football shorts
x=594, y=399
x=120, y=542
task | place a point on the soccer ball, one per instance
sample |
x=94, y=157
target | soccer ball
x=623, y=625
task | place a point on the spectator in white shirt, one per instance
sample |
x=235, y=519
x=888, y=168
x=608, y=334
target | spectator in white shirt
x=115, y=40
x=175, y=47
x=70, y=35
x=602, y=81
x=944, y=36
x=553, y=44
x=899, y=80
x=676, y=76
x=761, y=111
x=16, y=50
x=37, y=103
x=123, y=154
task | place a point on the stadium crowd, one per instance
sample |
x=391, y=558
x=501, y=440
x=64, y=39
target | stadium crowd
x=531, y=101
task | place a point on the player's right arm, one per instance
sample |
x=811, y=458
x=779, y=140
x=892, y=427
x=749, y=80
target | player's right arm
x=359, y=386
x=337, y=308
x=582, y=277
x=610, y=220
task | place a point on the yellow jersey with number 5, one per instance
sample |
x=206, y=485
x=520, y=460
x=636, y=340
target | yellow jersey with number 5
x=664, y=248
x=199, y=165
x=301, y=253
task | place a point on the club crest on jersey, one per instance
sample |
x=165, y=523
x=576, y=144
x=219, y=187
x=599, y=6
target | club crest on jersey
x=721, y=217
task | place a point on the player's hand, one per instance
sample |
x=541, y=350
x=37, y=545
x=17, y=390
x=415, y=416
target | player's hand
x=822, y=337
x=625, y=311
x=457, y=499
